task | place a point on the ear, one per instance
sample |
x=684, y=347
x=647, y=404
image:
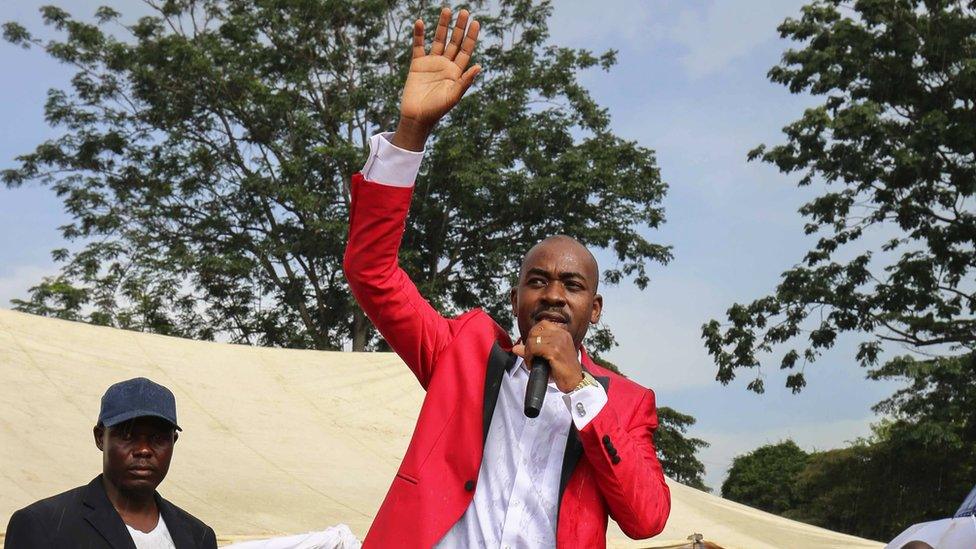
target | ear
x=99, y=434
x=176, y=436
x=597, y=309
x=513, y=297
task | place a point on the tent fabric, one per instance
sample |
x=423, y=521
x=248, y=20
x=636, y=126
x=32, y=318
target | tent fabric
x=275, y=441
x=336, y=537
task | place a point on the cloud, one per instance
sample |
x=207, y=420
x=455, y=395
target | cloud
x=707, y=36
x=586, y=24
x=723, y=32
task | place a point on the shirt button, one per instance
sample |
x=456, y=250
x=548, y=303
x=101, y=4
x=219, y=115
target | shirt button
x=580, y=409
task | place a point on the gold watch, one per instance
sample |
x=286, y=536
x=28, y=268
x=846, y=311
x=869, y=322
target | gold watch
x=588, y=381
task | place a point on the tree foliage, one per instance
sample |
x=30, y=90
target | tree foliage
x=894, y=142
x=678, y=451
x=918, y=465
x=766, y=477
x=204, y=154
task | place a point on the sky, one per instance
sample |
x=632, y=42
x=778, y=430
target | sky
x=690, y=83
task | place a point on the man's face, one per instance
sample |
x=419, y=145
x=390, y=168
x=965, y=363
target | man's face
x=558, y=282
x=136, y=453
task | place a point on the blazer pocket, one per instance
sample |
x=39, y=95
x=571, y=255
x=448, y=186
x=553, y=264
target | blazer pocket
x=406, y=477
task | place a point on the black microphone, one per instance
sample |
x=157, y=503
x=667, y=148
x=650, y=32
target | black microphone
x=535, y=391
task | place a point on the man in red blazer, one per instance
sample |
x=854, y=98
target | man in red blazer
x=478, y=472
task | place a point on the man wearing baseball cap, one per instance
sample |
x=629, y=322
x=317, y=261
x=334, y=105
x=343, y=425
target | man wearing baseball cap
x=120, y=508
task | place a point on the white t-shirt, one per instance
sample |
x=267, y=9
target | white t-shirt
x=158, y=538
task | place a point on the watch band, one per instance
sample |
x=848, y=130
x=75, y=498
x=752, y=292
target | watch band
x=587, y=381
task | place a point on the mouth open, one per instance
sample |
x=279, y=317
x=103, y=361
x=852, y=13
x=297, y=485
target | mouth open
x=552, y=316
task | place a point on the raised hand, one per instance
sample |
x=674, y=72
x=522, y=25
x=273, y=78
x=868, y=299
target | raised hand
x=436, y=80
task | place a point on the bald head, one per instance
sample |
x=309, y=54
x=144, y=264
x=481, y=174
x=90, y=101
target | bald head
x=565, y=244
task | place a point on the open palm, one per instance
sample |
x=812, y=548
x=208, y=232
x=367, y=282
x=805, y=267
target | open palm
x=438, y=79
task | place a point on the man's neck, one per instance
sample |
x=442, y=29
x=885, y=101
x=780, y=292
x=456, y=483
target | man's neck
x=138, y=509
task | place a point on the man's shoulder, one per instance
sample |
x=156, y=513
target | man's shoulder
x=187, y=520
x=57, y=515
x=58, y=502
x=479, y=324
x=620, y=385
x=477, y=314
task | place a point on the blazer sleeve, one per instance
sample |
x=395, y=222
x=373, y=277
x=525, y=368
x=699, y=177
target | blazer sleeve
x=627, y=470
x=412, y=327
x=24, y=531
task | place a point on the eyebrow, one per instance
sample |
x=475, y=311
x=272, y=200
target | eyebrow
x=562, y=276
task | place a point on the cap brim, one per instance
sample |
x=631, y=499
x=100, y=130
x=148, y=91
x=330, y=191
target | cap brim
x=132, y=414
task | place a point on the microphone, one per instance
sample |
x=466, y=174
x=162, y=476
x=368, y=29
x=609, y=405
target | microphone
x=535, y=391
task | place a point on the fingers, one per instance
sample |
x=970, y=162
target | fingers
x=440, y=35
x=467, y=46
x=519, y=350
x=418, y=39
x=468, y=78
x=457, y=36
x=547, y=338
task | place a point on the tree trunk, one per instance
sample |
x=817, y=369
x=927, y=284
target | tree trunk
x=360, y=330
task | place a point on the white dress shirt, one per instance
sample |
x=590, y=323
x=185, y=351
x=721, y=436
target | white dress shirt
x=517, y=496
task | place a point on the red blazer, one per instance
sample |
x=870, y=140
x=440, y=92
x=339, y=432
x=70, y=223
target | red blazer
x=460, y=362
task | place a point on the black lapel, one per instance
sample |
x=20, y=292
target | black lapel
x=104, y=518
x=605, y=381
x=182, y=538
x=498, y=362
x=574, y=448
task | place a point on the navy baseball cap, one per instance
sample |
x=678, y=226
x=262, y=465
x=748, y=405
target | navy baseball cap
x=137, y=397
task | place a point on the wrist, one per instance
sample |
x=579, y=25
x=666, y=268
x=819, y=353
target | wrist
x=569, y=384
x=587, y=381
x=411, y=135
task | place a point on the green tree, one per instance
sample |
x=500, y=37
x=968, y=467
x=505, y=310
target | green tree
x=893, y=141
x=765, y=478
x=918, y=465
x=939, y=399
x=928, y=438
x=678, y=451
x=840, y=490
x=205, y=152
x=876, y=488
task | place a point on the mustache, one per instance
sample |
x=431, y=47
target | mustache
x=548, y=311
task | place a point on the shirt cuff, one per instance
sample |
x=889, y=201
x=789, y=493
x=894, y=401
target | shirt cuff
x=390, y=165
x=584, y=404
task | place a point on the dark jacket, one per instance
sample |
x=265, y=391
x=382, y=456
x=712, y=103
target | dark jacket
x=84, y=518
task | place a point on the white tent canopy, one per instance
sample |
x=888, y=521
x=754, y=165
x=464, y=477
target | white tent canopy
x=275, y=441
